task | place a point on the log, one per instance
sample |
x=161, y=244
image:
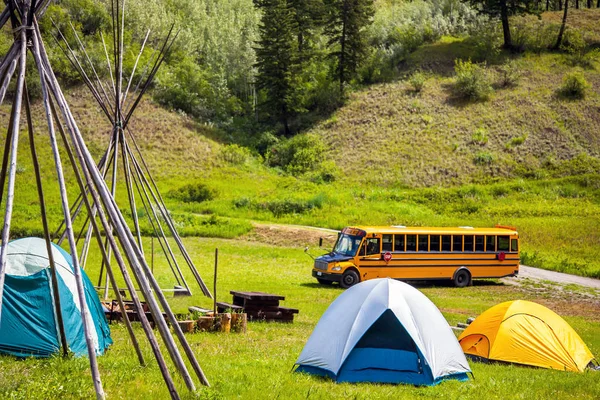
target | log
x=205, y=324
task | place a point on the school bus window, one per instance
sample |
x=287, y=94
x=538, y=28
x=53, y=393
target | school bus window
x=514, y=245
x=423, y=242
x=386, y=242
x=479, y=243
x=398, y=242
x=490, y=244
x=446, y=242
x=411, y=242
x=373, y=246
x=457, y=242
x=434, y=243
x=468, y=243
x=503, y=243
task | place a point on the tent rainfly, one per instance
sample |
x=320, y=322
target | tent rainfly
x=385, y=331
x=65, y=137
x=527, y=333
x=28, y=325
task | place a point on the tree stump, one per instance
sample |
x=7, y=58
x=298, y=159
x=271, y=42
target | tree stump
x=224, y=322
x=239, y=322
x=187, y=326
x=205, y=324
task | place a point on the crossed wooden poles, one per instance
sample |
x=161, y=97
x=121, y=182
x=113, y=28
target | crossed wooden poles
x=118, y=105
x=97, y=200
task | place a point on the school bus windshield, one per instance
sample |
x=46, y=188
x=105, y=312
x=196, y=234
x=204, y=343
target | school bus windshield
x=347, y=245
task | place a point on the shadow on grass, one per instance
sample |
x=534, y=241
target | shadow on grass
x=416, y=284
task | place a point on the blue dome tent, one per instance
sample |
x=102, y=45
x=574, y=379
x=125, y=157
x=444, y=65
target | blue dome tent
x=385, y=331
x=28, y=324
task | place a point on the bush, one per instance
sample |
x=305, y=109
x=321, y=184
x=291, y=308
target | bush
x=417, y=81
x=486, y=39
x=471, y=81
x=577, y=54
x=235, y=154
x=480, y=136
x=193, y=192
x=574, y=85
x=298, y=155
x=483, y=158
x=509, y=74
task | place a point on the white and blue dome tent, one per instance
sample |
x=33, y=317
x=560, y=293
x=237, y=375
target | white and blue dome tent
x=28, y=323
x=385, y=331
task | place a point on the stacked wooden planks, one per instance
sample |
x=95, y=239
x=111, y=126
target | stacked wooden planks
x=259, y=306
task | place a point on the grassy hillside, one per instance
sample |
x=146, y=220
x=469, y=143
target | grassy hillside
x=526, y=157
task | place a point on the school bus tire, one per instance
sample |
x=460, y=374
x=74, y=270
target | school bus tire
x=349, y=278
x=462, y=277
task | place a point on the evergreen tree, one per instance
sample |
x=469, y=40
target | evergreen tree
x=277, y=61
x=308, y=17
x=503, y=9
x=345, y=25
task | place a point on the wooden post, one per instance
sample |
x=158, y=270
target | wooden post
x=215, y=283
x=152, y=263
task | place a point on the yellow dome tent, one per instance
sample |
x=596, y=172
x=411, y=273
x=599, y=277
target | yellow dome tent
x=527, y=333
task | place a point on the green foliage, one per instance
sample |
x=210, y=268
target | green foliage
x=193, y=192
x=574, y=85
x=472, y=82
x=417, y=81
x=298, y=155
x=480, y=136
x=235, y=154
x=516, y=141
x=486, y=38
x=510, y=74
x=577, y=52
x=483, y=158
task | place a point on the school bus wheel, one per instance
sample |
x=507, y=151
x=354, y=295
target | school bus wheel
x=349, y=278
x=462, y=277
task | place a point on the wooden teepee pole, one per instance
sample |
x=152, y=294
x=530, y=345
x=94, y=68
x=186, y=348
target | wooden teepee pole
x=62, y=339
x=10, y=196
x=67, y=216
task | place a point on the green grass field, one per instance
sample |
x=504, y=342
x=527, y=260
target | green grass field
x=258, y=364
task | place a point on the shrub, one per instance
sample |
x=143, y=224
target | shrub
x=327, y=172
x=480, y=136
x=574, y=85
x=417, y=81
x=577, y=54
x=193, y=192
x=298, y=155
x=509, y=74
x=516, y=141
x=471, y=81
x=486, y=39
x=235, y=154
x=483, y=158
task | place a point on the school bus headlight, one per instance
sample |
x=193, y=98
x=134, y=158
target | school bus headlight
x=336, y=268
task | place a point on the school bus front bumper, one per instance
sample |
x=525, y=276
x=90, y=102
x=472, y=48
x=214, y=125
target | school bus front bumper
x=326, y=276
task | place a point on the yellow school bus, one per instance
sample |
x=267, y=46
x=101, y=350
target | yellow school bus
x=419, y=253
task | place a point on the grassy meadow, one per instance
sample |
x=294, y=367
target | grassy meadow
x=258, y=364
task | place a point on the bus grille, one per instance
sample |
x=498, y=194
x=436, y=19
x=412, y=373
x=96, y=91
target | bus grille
x=321, y=265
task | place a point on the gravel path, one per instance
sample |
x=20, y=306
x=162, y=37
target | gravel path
x=557, y=277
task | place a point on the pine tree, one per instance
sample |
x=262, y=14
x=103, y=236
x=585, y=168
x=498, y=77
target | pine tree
x=308, y=16
x=345, y=26
x=277, y=61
